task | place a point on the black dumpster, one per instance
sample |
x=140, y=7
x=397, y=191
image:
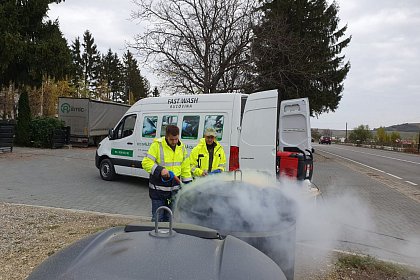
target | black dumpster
x=261, y=216
x=60, y=137
x=143, y=251
x=7, y=131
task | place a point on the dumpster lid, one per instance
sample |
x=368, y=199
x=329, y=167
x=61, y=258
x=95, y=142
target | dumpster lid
x=117, y=254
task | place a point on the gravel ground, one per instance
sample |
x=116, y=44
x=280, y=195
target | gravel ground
x=29, y=234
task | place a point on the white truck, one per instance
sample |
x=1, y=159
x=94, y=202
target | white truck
x=252, y=128
x=89, y=120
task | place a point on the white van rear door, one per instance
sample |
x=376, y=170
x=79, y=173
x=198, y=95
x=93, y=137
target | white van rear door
x=257, y=143
x=294, y=124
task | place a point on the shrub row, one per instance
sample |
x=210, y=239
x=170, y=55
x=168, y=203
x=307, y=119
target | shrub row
x=42, y=129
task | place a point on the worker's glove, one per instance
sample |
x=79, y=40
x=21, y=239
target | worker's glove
x=171, y=177
x=216, y=171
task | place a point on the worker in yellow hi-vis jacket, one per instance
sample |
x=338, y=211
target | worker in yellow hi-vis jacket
x=208, y=157
x=168, y=164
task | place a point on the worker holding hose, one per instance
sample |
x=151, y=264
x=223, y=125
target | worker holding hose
x=168, y=164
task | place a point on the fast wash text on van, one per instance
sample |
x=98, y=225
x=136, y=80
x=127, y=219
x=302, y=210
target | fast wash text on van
x=250, y=127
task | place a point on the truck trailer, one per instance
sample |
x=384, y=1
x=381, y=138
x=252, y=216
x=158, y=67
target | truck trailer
x=89, y=120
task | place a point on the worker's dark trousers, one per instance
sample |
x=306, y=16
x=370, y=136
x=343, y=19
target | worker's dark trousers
x=163, y=215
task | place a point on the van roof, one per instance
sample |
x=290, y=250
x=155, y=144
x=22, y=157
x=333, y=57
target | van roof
x=186, y=99
x=205, y=97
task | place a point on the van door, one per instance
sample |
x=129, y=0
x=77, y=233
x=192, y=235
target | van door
x=122, y=145
x=147, y=130
x=294, y=125
x=257, y=143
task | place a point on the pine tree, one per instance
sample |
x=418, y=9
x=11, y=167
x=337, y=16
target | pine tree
x=117, y=78
x=297, y=49
x=23, y=120
x=111, y=76
x=77, y=66
x=91, y=60
x=30, y=46
x=105, y=75
x=51, y=56
x=135, y=83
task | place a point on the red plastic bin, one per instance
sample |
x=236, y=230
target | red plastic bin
x=294, y=165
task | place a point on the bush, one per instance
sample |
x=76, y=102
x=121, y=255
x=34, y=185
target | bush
x=42, y=129
x=23, y=120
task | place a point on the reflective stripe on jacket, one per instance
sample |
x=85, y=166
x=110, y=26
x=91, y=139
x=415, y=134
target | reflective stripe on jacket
x=199, y=158
x=160, y=156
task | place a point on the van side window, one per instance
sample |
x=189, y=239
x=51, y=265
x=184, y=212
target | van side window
x=190, y=127
x=126, y=127
x=216, y=122
x=149, y=126
x=243, y=103
x=167, y=120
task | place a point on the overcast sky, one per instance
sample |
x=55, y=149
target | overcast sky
x=381, y=89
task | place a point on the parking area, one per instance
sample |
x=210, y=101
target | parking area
x=68, y=178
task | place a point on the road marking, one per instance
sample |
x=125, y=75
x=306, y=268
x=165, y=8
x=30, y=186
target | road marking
x=404, y=160
x=414, y=184
x=376, y=169
x=393, y=176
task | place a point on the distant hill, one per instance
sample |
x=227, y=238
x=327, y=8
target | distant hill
x=406, y=130
x=405, y=127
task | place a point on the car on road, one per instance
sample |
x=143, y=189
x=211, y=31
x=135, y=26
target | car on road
x=325, y=140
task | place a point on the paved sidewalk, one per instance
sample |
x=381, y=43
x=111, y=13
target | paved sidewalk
x=68, y=178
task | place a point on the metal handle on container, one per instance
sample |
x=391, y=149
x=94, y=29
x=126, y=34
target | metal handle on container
x=163, y=232
x=234, y=174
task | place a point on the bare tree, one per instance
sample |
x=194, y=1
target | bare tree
x=199, y=46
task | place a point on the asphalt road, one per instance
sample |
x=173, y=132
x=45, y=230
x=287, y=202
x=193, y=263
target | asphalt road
x=383, y=211
x=361, y=209
x=405, y=167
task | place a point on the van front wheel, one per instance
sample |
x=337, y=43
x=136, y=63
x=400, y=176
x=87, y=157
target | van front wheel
x=107, y=170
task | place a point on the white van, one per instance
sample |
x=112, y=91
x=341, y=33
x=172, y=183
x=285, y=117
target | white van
x=252, y=128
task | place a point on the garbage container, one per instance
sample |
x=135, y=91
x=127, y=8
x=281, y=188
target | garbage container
x=295, y=165
x=261, y=216
x=7, y=131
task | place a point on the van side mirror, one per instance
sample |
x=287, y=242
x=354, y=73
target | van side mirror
x=111, y=134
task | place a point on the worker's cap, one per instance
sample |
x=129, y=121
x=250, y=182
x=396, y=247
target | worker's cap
x=210, y=131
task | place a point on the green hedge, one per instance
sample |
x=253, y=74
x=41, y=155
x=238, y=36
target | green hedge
x=42, y=129
x=23, y=120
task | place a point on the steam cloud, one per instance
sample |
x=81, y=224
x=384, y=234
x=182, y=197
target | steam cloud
x=260, y=203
